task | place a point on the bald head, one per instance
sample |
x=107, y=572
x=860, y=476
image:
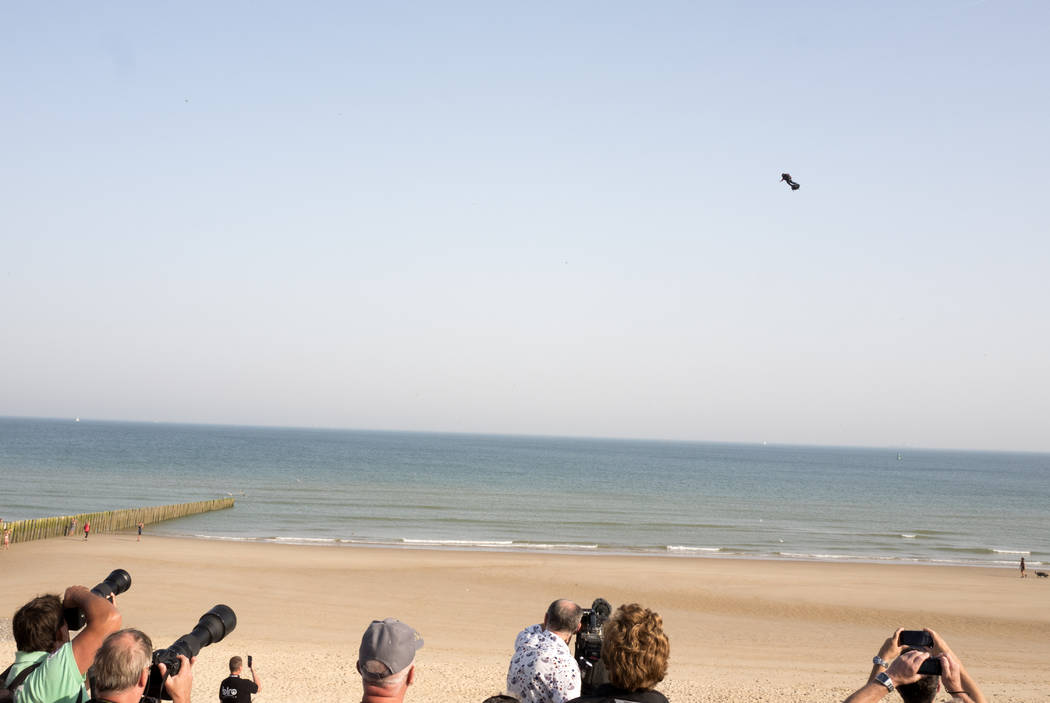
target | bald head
x=563, y=617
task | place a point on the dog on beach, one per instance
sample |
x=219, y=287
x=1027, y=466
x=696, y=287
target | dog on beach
x=1042, y=574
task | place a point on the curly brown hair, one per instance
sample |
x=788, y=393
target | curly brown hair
x=635, y=649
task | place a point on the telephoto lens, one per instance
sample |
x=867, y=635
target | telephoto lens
x=116, y=583
x=213, y=626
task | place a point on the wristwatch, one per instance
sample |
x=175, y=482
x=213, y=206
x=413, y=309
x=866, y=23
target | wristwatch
x=885, y=680
x=880, y=661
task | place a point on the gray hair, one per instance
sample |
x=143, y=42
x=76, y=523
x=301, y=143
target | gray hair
x=373, y=671
x=121, y=659
x=564, y=616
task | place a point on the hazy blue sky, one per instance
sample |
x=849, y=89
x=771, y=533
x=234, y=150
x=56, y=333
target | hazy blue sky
x=554, y=218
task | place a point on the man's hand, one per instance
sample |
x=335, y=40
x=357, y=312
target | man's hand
x=180, y=685
x=891, y=649
x=76, y=596
x=951, y=674
x=940, y=646
x=905, y=668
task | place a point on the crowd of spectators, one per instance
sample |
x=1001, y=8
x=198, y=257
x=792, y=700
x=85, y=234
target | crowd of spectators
x=51, y=667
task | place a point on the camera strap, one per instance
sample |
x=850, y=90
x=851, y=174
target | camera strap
x=22, y=675
x=7, y=692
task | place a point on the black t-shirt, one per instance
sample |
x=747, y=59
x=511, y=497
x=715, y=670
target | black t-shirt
x=234, y=689
x=607, y=693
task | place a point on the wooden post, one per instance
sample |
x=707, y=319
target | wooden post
x=110, y=520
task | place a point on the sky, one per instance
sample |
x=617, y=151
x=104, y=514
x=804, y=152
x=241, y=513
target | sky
x=554, y=218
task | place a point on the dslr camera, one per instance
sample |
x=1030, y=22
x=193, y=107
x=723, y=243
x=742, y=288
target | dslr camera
x=116, y=583
x=589, y=645
x=211, y=628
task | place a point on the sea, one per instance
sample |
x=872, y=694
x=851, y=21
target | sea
x=347, y=488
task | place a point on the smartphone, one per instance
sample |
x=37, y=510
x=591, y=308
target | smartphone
x=249, y=661
x=931, y=667
x=915, y=638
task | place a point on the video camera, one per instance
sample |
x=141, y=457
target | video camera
x=213, y=626
x=589, y=645
x=116, y=583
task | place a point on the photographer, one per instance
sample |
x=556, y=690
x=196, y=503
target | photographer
x=122, y=669
x=902, y=673
x=635, y=651
x=233, y=688
x=386, y=660
x=542, y=669
x=57, y=666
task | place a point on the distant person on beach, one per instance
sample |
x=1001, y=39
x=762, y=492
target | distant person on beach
x=72, y=527
x=543, y=669
x=121, y=670
x=140, y=533
x=386, y=660
x=1024, y=574
x=635, y=651
x=57, y=666
x=87, y=528
x=896, y=668
x=7, y=539
x=233, y=688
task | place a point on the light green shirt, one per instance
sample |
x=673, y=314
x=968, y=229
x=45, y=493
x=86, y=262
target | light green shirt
x=57, y=680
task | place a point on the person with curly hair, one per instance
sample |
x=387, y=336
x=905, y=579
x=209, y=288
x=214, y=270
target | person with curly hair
x=635, y=652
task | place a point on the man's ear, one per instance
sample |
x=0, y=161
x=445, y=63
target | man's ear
x=411, y=675
x=144, y=677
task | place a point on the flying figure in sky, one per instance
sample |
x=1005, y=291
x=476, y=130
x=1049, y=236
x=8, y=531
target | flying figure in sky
x=787, y=177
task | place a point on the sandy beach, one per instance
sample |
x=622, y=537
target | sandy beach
x=739, y=629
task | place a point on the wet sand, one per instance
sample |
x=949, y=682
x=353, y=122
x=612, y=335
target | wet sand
x=739, y=629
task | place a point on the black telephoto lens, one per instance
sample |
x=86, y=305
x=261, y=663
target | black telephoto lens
x=213, y=626
x=116, y=583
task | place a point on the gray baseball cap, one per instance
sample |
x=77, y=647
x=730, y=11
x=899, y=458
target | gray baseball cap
x=390, y=642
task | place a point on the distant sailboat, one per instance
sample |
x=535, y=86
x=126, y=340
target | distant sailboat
x=899, y=457
x=77, y=420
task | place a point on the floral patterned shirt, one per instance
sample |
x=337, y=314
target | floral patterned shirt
x=542, y=669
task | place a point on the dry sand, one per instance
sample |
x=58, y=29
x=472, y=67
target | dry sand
x=739, y=630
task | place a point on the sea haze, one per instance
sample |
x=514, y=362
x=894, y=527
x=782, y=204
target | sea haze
x=342, y=487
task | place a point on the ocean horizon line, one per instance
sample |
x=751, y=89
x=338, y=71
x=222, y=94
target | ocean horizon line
x=525, y=435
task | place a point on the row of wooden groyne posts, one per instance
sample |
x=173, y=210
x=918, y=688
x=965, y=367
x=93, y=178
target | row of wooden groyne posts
x=109, y=520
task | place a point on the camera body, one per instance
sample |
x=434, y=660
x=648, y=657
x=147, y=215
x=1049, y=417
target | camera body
x=589, y=645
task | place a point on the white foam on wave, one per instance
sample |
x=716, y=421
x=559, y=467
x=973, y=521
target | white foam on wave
x=800, y=555
x=221, y=538
x=1012, y=551
x=460, y=542
x=682, y=548
x=320, y=540
x=531, y=545
x=907, y=536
